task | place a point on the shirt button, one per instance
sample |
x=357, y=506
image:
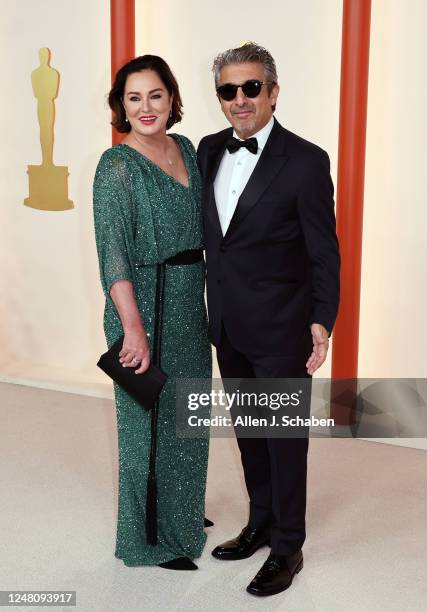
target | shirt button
x=239, y=163
x=234, y=192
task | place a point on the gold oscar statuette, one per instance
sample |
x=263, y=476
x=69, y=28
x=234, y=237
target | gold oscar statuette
x=48, y=184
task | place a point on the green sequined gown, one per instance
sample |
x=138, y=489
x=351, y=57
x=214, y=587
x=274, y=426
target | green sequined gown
x=143, y=216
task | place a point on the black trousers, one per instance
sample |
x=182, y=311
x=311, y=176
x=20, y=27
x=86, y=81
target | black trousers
x=275, y=469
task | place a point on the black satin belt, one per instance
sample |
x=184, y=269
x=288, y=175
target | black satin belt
x=185, y=258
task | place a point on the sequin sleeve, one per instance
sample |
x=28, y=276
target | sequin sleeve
x=189, y=146
x=114, y=221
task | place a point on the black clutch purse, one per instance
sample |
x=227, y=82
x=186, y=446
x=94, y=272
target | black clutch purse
x=144, y=388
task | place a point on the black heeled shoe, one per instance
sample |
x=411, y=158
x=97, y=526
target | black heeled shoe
x=208, y=523
x=181, y=563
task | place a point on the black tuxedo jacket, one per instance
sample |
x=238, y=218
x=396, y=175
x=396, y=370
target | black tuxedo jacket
x=276, y=270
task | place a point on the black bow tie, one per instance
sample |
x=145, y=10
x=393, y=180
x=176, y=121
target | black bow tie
x=233, y=144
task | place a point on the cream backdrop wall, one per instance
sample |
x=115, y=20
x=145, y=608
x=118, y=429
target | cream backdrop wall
x=51, y=308
x=51, y=303
x=393, y=333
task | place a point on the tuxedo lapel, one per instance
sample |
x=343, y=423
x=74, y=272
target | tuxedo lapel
x=215, y=154
x=271, y=161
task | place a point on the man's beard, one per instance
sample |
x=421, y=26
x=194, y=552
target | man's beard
x=245, y=125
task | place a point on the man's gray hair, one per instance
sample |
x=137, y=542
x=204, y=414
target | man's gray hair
x=249, y=52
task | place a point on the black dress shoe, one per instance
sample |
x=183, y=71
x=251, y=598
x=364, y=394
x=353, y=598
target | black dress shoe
x=276, y=574
x=181, y=563
x=247, y=542
x=208, y=523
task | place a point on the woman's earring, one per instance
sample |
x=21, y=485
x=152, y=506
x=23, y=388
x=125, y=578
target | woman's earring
x=126, y=118
x=170, y=114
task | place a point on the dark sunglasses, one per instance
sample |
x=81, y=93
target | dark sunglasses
x=250, y=89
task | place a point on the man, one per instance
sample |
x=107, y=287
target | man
x=272, y=287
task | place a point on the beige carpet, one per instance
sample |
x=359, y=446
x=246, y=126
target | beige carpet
x=366, y=545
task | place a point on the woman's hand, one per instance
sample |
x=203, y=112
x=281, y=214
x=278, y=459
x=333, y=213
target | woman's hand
x=135, y=350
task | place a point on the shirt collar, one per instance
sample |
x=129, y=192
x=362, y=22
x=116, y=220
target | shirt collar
x=262, y=135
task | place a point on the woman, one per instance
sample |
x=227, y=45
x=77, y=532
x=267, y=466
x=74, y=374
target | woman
x=146, y=197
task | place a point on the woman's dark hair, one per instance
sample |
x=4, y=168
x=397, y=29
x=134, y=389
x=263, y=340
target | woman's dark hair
x=143, y=62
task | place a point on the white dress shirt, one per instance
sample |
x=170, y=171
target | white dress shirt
x=233, y=173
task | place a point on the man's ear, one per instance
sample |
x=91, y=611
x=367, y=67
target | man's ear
x=274, y=93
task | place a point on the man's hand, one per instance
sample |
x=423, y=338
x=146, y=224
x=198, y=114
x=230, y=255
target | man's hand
x=320, y=347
